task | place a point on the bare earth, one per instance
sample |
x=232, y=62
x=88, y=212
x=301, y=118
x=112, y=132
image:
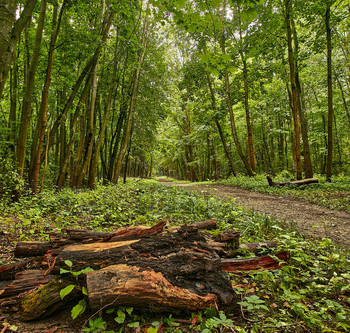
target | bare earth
x=310, y=220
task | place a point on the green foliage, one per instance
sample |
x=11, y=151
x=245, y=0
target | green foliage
x=79, y=308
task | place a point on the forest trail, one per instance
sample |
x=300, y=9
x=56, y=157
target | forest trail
x=309, y=219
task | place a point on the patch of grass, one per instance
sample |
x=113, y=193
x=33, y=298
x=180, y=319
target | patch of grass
x=334, y=195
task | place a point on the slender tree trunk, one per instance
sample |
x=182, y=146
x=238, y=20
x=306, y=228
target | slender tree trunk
x=346, y=108
x=42, y=122
x=330, y=93
x=11, y=30
x=93, y=167
x=124, y=146
x=229, y=102
x=13, y=108
x=295, y=98
x=217, y=123
x=193, y=175
x=301, y=109
x=251, y=153
x=90, y=130
x=27, y=100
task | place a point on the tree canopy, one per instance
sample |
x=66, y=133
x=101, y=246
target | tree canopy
x=93, y=91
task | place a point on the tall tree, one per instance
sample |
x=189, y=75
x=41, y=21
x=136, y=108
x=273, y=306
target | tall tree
x=11, y=30
x=27, y=98
x=295, y=97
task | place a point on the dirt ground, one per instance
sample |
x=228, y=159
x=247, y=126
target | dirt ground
x=310, y=220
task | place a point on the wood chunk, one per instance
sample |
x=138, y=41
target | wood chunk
x=135, y=232
x=46, y=300
x=205, y=225
x=31, y=249
x=26, y=281
x=8, y=272
x=293, y=182
x=253, y=264
x=141, y=288
x=254, y=247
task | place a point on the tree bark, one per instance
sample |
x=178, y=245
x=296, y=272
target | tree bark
x=42, y=121
x=27, y=99
x=10, y=33
x=330, y=92
x=295, y=105
x=301, y=109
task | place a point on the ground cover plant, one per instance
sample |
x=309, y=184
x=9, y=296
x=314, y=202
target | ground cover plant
x=334, y=195
x=310, y=293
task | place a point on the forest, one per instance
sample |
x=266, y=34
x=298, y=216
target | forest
x=91, y=91
x=110, y=109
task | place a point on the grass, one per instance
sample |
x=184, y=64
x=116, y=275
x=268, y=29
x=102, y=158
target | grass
x=311, y=293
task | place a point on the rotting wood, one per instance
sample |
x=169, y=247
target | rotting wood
x=158, y=270
x=25, y=281
x=184, y=258
x=8, y=272
x=46, y=300
x=254, y=264
x=292, y=182
x=141, y=288
x=31, y=249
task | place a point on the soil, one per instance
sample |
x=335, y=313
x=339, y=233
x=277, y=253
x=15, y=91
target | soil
x=309, y=219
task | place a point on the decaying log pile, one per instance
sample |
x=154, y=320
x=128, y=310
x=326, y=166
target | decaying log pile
x=306, y=181
x=147, y=268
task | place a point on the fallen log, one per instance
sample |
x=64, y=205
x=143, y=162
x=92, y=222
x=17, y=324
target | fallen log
x=8, y=272
x=254, y=264
x=26, y=281
x=77, y=236
x=143, y=289
x=141, y=267
x=31, y=249
x=184, y=258
x=292, y=182
x=47, y=299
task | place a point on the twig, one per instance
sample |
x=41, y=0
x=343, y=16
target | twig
x=5, y=328
x=105, y=306
x=243, y=316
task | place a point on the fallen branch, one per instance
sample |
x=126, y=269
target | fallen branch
x=292, y=182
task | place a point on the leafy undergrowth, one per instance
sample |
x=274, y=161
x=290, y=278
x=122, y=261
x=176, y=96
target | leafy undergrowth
x=311, y=293
x=334, y=195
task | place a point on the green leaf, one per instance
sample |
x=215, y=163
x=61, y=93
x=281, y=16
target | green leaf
x=63, y=271
x=134, y=324
x=152, y=330
x=68, y=263
x=86, y=270
x=121, y=317
x=78, y=309
x=129, y=310
x=65, y=291
x=84, y=291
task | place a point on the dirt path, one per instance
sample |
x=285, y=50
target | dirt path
x=309, y=219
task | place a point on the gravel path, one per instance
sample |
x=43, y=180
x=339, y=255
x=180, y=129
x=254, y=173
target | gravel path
x=309, y=219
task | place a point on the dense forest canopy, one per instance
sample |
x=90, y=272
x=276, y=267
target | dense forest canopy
x=197, y=89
